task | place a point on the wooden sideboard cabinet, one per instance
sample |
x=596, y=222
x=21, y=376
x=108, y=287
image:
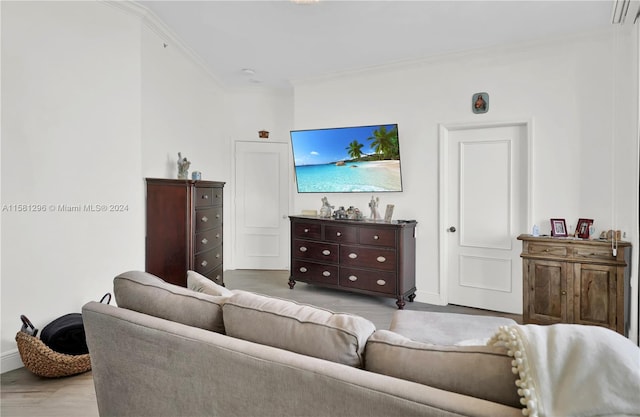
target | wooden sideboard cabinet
x=184, y=229
x=360, y=256
x=577, y=281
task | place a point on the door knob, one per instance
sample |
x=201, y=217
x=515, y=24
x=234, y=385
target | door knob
x=452, y=229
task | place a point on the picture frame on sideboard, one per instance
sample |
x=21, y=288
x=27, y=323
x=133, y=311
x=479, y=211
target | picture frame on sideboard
x=558, y=228
x=582, y=230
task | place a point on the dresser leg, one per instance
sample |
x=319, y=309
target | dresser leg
x=412, y=297
x=292, y=282
x=400, y=303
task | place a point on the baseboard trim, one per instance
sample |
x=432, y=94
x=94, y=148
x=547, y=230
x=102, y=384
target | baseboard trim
x=430, y=298
x=10, y=360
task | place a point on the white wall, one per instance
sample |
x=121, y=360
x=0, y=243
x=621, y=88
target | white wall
x=92, y=102
x=70, y=136
x=563, y=86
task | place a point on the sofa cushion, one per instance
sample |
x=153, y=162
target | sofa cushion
x=148, y=294
x=299, y=328
x=479, y=371
x=200, y=283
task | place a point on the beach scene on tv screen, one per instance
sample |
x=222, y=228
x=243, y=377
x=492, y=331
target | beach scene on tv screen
x=348, y=159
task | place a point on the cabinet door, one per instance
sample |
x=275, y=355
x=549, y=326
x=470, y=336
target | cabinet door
x=595, y=287
x=547, y=292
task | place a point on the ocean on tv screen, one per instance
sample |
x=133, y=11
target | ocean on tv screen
x=372, y=176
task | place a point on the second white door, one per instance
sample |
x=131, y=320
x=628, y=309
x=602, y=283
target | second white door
x=486, y=188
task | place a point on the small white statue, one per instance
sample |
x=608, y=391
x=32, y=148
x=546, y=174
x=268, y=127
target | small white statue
x=325, y=210
x=373, y=205
x=183, y=167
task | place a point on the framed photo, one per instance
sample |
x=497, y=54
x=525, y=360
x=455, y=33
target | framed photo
x=480, y=103
x=582, y=230
x=558, y=228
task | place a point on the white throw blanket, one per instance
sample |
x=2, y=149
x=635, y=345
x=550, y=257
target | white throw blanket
x=568, y=370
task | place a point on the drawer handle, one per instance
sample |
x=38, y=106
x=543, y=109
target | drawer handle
x=353, y=278
x=217, y=216
x=326, y=252
x=303, y=269
x=326, y=273
x=205, y=219
x=353, y=255
x=303, y=249
x=547, y=250
x=381, y=259
x=218, y=255
x=217, y=195
x=563, y=292
x=381, y=282
x=206, y=196
x=204, y=241
x=217, y=235
x=306, y=230
x=338, y=234
x=204, y=263
x=376, y=237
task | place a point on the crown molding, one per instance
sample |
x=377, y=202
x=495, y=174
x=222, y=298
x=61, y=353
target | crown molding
x=461, y=55
x=153, y=22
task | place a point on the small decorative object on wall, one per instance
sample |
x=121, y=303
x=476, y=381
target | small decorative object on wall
x=388, y=213
x=480, y=103
x=582, y=230
x=183, y=167
x=558, y=228
x=263, y=134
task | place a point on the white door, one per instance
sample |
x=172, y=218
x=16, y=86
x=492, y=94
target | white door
x=486, y=209
x=261, y=205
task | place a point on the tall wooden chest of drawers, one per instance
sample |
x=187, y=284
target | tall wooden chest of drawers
x=368, y=257
x=184, y=229
x=575, y=281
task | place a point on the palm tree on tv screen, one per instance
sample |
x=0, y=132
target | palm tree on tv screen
x=385, y=143
x=355, y=149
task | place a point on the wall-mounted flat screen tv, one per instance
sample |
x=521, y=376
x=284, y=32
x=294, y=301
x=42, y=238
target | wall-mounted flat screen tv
x=359, y=159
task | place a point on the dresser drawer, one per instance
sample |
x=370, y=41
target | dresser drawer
x=340, y=234
x=542, y=249
x=376, y=258
x=215, y=275
x=378, y=237
x=208, y=196
x=317, y=272
x=378, y=281
x=208, y=218
x=208, y=239
x=206, y=261
x=318, y=251
x=307, y=230
x=593, y=253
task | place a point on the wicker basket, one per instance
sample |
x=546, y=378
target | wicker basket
x=43, y=361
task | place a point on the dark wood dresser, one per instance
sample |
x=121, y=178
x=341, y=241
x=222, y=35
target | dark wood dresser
x=184, y=229
x=577, y=281
x=375, y=258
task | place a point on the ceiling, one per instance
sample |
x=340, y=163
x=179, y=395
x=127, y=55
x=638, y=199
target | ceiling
x=282, y=41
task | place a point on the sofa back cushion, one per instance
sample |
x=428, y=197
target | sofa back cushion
x=299, y=328
x=199, y=283
x=145, y=293
x=479, y=371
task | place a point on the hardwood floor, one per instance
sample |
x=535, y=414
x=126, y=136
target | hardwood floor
x=26, y=395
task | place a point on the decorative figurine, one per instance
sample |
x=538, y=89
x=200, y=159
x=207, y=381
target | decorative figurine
x=183, y=167
x=325, y=210
x=373, y=205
